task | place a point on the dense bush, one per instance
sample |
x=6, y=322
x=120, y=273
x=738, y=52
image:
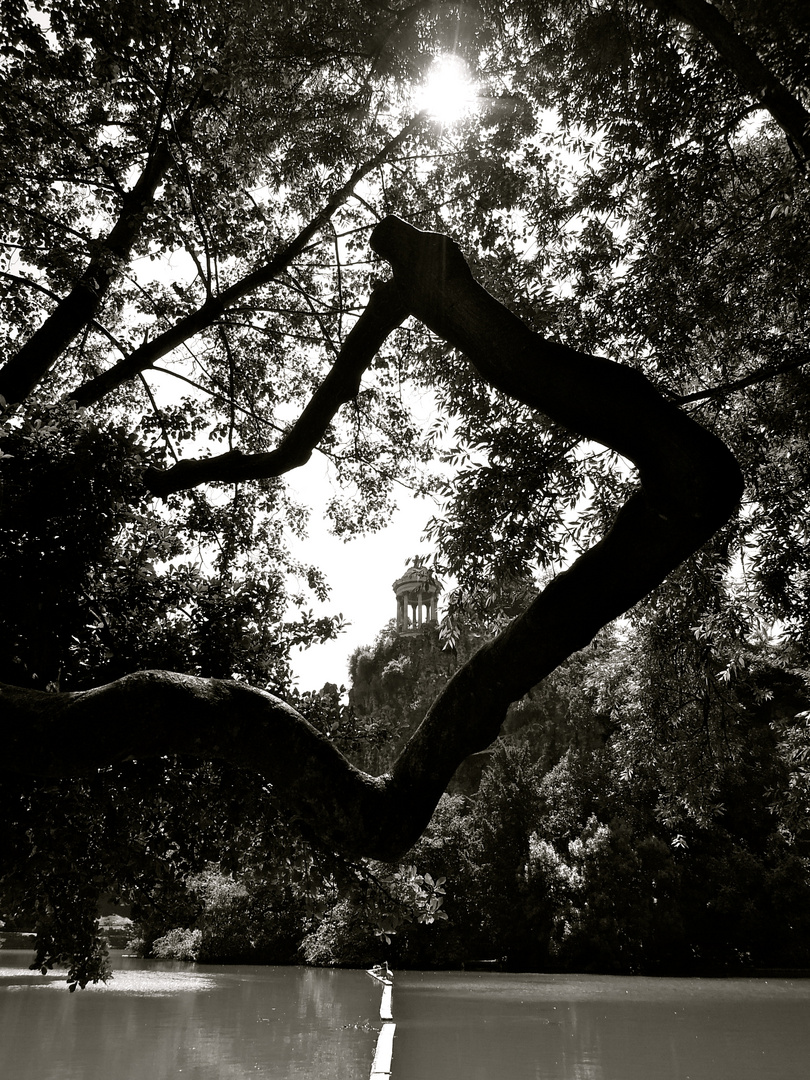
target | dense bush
x=605, y=838
x=178, y=945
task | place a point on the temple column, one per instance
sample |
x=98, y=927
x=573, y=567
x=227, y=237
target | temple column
x=417, y=605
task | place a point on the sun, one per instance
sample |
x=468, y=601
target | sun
x=448, y=94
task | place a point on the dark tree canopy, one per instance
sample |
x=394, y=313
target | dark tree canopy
x=691, y=486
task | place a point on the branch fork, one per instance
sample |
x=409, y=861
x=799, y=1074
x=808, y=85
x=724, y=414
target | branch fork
x=690, y=486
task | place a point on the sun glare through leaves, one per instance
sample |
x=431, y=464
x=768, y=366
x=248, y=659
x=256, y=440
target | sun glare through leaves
x=448, y=93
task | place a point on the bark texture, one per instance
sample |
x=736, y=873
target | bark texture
x=690, y=485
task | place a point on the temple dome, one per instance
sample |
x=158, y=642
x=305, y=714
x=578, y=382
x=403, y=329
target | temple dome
x=417, y=593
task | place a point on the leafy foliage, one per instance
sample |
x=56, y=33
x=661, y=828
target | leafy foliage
x=185, y=199
x=639, y=815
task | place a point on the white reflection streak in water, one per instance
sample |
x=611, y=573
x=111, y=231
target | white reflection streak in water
x=384, y=1051
x=140, y=983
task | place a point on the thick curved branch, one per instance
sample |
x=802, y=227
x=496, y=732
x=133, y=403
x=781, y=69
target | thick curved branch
x=680, y=464
x=384, y=313
x=691, y=485
x=152, y=713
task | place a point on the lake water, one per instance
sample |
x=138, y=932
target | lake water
x=585, y=1027
x=161, y=1019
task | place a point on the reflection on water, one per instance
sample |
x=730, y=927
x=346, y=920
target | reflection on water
x=152, y=983
x=162, y=1019
x=536, y=1027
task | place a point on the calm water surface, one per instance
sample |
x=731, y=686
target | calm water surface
x=158, y=1020
x=584, y=1027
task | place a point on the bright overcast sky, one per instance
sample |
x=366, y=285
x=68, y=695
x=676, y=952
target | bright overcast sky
x=361, y=573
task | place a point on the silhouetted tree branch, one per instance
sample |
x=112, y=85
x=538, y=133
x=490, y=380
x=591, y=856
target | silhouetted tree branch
x=382, y=315
x=26, y=369
x=215, y=306
x=756, y=78
x=763, y=374
x=690, y=486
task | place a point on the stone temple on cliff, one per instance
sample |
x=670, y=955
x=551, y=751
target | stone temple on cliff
x=417, y=593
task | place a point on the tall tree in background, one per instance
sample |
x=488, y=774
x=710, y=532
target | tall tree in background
x=189, y=198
